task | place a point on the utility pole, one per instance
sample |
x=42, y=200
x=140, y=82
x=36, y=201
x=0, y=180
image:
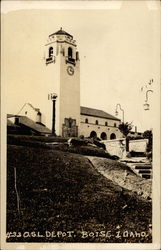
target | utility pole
x=116, y=112
x=146, y=104
x=53, y=97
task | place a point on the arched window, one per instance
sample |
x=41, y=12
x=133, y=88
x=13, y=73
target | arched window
x=103, y=136
x=70, y=52
x=93, y=134
x=96, y=122
x=112, y=136
x=106, y=123
x=114, y=124
x=50, y=51
x=86, y=120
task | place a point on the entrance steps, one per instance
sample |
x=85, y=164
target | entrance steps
x=142, y=169
x=140, y=166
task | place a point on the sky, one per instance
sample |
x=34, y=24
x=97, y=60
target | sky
x=119, y=53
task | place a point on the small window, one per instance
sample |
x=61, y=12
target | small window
x=86, y=120
x=106, y=123
x=70, y=122
x=114, y=124
x=50, y=51
x=96, y=122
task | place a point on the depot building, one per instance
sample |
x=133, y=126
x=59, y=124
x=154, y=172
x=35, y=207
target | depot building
x=69, y=118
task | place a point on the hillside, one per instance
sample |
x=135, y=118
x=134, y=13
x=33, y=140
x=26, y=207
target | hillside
x=62, y=191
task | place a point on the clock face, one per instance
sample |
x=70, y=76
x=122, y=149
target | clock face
x=70, y=70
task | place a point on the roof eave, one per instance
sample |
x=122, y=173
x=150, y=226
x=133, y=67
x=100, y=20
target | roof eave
x=109, y=118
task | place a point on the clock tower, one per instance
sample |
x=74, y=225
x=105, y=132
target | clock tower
x=63, y=70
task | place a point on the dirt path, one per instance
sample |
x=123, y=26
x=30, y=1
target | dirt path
x=122, y=175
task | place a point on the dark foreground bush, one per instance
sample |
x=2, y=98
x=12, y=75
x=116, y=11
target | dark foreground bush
x=12, y=139
x=42, y=142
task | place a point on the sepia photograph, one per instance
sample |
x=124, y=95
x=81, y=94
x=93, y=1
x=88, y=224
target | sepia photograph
x=80, y=124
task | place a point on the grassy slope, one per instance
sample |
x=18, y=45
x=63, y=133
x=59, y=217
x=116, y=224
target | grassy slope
x=63, y=191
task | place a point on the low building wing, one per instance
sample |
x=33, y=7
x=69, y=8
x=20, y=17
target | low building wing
x=25, y=121
x=24, y=125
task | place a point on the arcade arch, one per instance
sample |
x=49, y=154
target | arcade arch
x=93, y=134
x=112, y=136
x=103, y=136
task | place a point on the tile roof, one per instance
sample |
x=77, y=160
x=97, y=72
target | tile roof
x=97, y=113
x=61, y=32
x=12, y=115
x=33, y=125
x=11, y=124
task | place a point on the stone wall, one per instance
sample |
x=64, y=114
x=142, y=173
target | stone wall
x=116, y=147
x=138, y=145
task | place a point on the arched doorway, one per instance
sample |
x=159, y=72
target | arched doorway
x=112, y=136
x=93, y=134
x=103, y=136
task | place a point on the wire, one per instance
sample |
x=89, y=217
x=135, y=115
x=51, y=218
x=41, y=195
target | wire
x=22, y=108
x=18, y=198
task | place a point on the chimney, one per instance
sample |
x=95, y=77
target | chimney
x=135, y=129
x=38, y=117
x=16, y=120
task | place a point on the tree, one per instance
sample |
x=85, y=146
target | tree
x=147, y=134
x=125, y=128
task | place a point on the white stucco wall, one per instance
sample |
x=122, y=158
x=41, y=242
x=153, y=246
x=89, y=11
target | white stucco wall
x=92, y=120
x=57, y=80
x=69, y=92
x=29, y=111
x=86, y=128
x=138, y=145
x=116, y=147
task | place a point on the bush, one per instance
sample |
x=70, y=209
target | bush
x=43, y=142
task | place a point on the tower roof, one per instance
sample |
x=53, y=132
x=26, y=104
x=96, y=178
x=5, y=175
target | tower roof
x=61, y=32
